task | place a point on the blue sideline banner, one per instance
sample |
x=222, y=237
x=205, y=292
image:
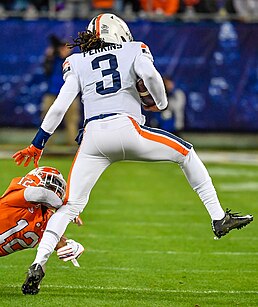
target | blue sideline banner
x=215, y=64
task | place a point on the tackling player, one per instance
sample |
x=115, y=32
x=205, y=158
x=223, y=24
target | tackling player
x=25, y=209
x=106, y=72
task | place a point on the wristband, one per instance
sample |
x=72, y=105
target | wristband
x=40, y=138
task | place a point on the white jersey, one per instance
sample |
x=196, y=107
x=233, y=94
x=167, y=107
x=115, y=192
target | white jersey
x=107, y=78
x=109, y=73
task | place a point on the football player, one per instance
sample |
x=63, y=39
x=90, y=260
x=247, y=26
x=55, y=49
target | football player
x=106, y=72
x=25, y=208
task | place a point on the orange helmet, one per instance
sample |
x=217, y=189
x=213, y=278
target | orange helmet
x=49, y=178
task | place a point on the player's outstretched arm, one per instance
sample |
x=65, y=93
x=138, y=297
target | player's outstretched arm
x=43, y=196
x=53, y=118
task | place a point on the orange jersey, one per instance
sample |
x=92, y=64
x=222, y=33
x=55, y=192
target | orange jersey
x=22, y=223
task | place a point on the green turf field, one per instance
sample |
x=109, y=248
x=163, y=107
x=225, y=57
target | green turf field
x=149, y=243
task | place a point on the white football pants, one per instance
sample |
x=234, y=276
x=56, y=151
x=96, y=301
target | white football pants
x=119, y=138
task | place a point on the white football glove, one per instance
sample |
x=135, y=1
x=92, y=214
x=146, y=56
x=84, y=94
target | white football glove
x=71, y=251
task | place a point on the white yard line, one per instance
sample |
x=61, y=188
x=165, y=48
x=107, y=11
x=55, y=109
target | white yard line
x=147, y=290
x=229, y=157
x=237, y=186
x=169, y=252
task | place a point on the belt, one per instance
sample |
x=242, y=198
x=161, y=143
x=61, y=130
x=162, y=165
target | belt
x=101, y=116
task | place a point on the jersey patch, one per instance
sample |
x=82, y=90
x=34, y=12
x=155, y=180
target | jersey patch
x=145, y=49
x=66, y=67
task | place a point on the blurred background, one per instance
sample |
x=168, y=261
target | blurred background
x=206, y=51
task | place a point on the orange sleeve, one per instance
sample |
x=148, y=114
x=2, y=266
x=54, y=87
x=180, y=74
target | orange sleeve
x=16, y=199
x=14, y=185
x=14, y=195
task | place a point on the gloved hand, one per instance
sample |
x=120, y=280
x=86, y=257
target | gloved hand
x=28, y=153
x=71, y=251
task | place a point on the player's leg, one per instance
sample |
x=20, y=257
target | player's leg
x=83, y=176
x=158, y=145
x=146, y=143
x=221, y=224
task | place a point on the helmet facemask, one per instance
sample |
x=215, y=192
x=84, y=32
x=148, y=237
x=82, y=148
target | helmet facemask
x=49, y=178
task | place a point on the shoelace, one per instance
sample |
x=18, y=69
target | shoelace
x=235, y=214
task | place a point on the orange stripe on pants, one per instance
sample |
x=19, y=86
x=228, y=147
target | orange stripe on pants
x=159, y=139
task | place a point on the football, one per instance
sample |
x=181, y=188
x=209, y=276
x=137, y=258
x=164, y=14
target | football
x=145, y=96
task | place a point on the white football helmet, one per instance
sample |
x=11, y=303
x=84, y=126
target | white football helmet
x=110, y=28
x=48, y=177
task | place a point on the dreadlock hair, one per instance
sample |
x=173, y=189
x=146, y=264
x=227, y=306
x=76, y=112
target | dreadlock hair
x=86, y=41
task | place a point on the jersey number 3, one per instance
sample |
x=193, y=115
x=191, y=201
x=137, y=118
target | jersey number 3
x=111, y=71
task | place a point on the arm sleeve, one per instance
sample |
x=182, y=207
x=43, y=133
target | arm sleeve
x=56, y=112
x=145, y=69
x=43, y=196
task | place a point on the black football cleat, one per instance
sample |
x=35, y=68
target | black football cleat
x=32, y=282
x=230, y=221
